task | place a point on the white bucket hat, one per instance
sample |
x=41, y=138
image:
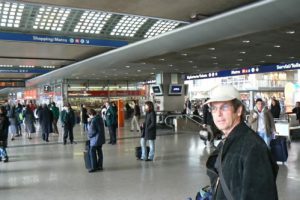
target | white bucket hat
x=223, y=93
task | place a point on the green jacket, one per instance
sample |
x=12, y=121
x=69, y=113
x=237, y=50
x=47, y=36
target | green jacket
x=55, y=112
x=111, y=117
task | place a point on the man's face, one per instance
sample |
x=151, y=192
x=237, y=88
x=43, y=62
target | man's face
x=224, y=116
x=259, y=105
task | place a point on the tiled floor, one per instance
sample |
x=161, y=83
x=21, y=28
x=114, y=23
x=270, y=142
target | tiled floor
x=53, y=171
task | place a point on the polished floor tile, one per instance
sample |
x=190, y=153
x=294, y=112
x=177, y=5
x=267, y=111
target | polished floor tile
x=54, y=171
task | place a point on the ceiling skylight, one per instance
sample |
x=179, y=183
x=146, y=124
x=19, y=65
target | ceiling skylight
x=10, y=14
x=128, y=26
x=160, y=27
x=92, y=22
x=51, y=18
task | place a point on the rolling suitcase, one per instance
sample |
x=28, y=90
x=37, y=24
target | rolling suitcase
x=86, y=156
x=138, y=152
x=279, y=149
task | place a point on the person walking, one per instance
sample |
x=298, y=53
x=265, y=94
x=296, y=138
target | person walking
x=84, y=118
x=4, y=124
x=262, y=121
x=111, y=122
x=45, y=117
x=275, y=108
x=136, y=117
x=12, y=116
x=55, y=114
x=241, y=167
x=68, y=122
x=96, y=136
x=149, y=132
x=29, y=121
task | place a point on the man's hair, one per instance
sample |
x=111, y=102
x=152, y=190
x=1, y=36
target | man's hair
x=92, y=112
x=259, y=99
x=236, y=104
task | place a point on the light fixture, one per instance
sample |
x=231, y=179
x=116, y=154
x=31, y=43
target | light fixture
x=26, y=66
x=162, y=59
x=170, y=65
x=239, y=59
x=6, y=65
x=138, y=70
x=10, y=14
x=277, y=46
x=127, y=66
x=242, y=52
x=290, y=32
x=211, y=48
x=291, y=57
x=128, y=26
x=184, y=54
x=213, y=57
x=161, y=26
x=269, y=55
x=190, y=61
x=51, y=18
x=92, y=22
x=246, y=41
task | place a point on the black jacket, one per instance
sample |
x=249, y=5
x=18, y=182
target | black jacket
x=4, y=124
x=275, y=110
x=248, y=168
x=150, y=126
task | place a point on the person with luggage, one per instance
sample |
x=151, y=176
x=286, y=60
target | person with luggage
x=262, y=121
x=96, y=136
x=241, y=167
x=149, y=132
x=4, y=124
x=68, y=122
x=111, y=122
x=136, y=117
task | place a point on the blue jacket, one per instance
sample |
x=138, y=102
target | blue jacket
x=96, y=132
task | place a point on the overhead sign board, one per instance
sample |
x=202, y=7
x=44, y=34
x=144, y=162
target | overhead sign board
x=60, y=40
x=246, y=70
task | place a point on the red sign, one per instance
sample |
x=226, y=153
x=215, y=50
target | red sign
x=115, y=93
x=30, y=94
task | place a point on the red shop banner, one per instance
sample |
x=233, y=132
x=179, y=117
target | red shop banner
x=115, y=93
x=30, y=94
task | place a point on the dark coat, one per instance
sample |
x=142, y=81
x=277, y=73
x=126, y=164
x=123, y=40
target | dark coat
x=84, y=116
x=150, y=126
x=4, y=124
x=275, y=110
x=96, y=131
x=68, y=118
x=46, y=118
x=29, y=120
x=111, y=116
x=248, y=168
x=297, y=111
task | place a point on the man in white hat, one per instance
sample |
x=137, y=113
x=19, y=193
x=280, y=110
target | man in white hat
x=241, y=167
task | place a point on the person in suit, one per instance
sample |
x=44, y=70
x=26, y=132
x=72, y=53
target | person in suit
x=96, y=136
x=45, y=117
x=149, y=132
x=111, y=122
x=68, y=122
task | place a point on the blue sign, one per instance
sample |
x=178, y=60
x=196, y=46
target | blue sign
x=246, y=70
x=60, y=40
x=31, y=71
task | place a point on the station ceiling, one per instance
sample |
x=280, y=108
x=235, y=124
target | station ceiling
x=197, y=40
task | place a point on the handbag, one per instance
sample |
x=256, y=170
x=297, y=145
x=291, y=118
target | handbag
x=205, y=193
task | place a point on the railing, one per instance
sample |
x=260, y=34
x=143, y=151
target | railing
x=187, y=116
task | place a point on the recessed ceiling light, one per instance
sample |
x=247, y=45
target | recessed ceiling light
x=139, y=70
x=190, y=61
x=211, y=48
x=242, y=52
x=214, y=57
x=143, y=63
x=290, y=32
x=162, y=59
x=170, y=65
x=246, y=41
x=277, y=46
x=127, y=66
x=184, y=54
x=161, y=26
x=152, y=73
x=269, y=55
